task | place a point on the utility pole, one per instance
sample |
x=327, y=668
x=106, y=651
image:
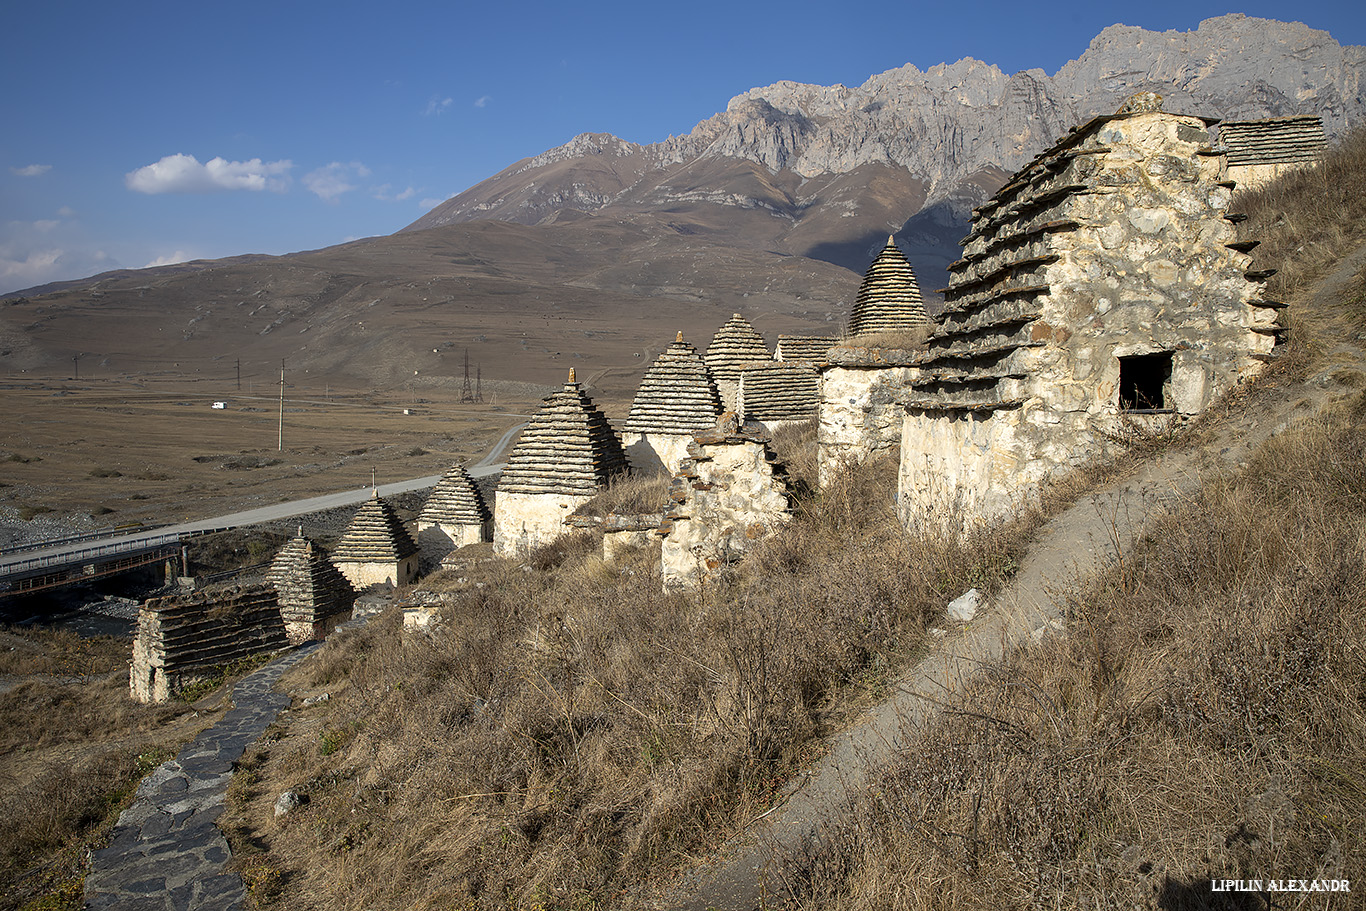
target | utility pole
x=239, y=374
x=479, y=384
x=467, y=394
x=76, y=364
x=282, y=405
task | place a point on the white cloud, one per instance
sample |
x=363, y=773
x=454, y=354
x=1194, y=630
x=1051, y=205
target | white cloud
x=33, y=170
x=333, y=180
x=386, y=193
x=437, y=106
x=184, y=174
x=430, y=204
x=25, y=261
x=66, y=212
x=483, y=101
x=170, y=259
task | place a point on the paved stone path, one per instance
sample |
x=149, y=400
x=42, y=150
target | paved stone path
x=167, y=853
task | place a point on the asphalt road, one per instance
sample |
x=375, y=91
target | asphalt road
x=114, y=544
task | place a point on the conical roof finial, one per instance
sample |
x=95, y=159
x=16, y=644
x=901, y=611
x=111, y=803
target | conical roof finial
x=571, y=375
x=680, y=336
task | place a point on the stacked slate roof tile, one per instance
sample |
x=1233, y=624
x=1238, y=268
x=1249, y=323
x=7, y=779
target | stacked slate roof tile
x=1279, y=140
x=782, y=392
x=375, y=535
x=735, y=346
x=455, y=500
x=889, y=298
x=568, y=448
x=677, y=395
x=808, y=349
x=1020, y=261
x=309, y=588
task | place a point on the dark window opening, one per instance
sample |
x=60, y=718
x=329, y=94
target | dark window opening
x=1143, y=381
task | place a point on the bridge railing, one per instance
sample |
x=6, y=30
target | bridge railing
x=110, y=532
x=82, y=554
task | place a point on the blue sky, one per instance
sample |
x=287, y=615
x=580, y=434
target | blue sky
x=145, y=132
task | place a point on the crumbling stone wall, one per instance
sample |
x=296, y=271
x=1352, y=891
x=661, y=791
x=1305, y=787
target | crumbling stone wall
x=181, y=639
x=1103, y=284
x=860, y=411
x=726, y=498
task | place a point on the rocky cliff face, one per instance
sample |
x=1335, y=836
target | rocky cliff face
x=951, y=132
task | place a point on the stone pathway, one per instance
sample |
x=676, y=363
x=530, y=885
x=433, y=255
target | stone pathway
x=167, y=853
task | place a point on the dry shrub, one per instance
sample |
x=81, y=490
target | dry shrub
x=1205, y=719
x=636, y=494
x=794, y=446
x=59, y=652
x=53, y=816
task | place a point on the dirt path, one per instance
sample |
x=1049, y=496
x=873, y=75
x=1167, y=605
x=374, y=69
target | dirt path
x=750, y=869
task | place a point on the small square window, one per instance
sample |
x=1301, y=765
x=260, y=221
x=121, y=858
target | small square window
x=1144, y=382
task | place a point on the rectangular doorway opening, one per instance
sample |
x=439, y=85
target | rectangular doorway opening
x=1145, y=381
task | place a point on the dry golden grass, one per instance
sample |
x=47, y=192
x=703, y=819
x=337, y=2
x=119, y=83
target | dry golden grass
x=72, y=749
x=629, y=495
x=573, y=734
x=1309, y=219
x=1204, y=719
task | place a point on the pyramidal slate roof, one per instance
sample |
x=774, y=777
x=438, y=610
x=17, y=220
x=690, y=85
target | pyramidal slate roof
x=568, y=448
x=809, y=349
x=677, y=395
x=375, y=535
x=889, y=298
x=455, y=500
x=735, y=346
x=1278, y=140
x=779, y=392
x=306, y=583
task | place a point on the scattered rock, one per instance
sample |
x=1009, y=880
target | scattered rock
x=964, y=607
x=288, y=802
x=1053, y=627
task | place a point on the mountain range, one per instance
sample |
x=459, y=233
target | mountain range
x=598, y=250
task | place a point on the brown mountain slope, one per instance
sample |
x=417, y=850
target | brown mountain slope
x=528, y=302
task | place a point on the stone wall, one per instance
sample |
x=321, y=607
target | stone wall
x=183, y=639
x=1103, y=285
x=362, y=575
x=725, y=499
x=437, y=539
x=860, y=411
x=653, y=452
x=526, y=521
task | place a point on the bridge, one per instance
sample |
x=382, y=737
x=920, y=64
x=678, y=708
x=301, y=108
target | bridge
x=82, y=558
